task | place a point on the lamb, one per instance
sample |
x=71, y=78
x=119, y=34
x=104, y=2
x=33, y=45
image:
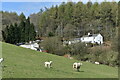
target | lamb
x=48, y=64
x=97, y=63
x=77, y=66
x=1, y=59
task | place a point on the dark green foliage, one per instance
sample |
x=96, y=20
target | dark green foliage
x=16, y=33
x=27, y=30
x=11, y=34
x=32, y=33
x=50, y=34
x=22, y=32
x=22, y=17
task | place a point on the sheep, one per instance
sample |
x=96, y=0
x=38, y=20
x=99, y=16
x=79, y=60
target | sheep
x=48, y=64
x=1, y=59
x=77, y=66
x=74, y=65
x=97, y=63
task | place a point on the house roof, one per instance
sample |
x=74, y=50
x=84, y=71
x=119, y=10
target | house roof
x=91, y=35
x=77, y=39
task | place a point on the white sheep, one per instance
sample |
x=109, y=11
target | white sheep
x=1, y=59
x=77, y=66
x=97, y=63
x=48, y=64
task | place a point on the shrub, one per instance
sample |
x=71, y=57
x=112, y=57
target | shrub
x=79, y=50
x=107, y=57
x=50, y=34
x=53, y=45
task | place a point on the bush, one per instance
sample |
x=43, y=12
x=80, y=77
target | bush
x=53, y=45
x=50, y=34
x=95, y=54
x=104, y=56
x=78, y=50
x=112, y=58
x=60, y=51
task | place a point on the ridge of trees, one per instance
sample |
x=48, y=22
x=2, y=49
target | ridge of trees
x=78, y=18
x=19, y=32
x=94, y=18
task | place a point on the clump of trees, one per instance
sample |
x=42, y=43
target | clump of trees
x=53, y=45
x=104, y=56
x=19, y=32
x=78, y=50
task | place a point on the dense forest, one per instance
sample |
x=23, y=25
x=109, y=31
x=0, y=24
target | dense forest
x=68, y=21
x=77, y=19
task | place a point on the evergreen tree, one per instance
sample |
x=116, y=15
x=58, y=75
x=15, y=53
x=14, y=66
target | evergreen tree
x=22, y=17
x=27, y=30
x=16, y=33
x=11, y=34
x=22, y=31
x=69, y=9
x=32, y=33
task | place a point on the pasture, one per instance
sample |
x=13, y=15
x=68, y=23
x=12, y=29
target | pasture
x=25, y=63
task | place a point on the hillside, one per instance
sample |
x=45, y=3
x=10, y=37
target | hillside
x=25, y=63
x=9, y=18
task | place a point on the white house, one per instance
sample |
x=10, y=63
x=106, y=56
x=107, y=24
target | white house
x=33, y=46
x=92, y=38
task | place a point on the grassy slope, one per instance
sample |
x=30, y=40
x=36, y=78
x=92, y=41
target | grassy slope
x=26, y=63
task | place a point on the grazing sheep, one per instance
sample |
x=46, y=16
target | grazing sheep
x=97, y=63
x=1, y=59
x=48, y=64
x=77, y=66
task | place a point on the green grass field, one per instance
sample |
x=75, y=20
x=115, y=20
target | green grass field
x=25, y=63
